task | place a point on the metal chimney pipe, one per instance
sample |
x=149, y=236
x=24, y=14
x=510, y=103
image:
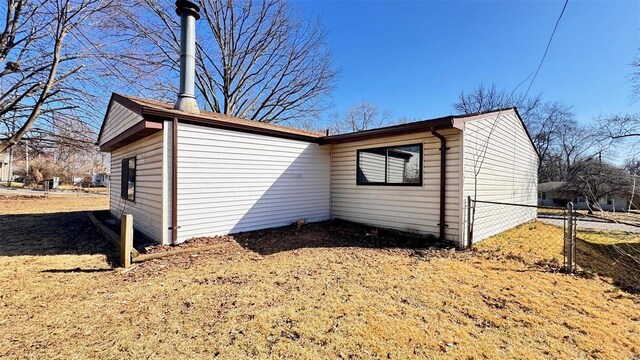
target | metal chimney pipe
x=189, y=13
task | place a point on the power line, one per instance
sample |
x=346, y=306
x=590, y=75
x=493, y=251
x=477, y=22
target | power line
x=546, y=50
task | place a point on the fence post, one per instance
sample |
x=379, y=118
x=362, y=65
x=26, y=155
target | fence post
x=126, y=239
x=469, y=227
x=569, y=240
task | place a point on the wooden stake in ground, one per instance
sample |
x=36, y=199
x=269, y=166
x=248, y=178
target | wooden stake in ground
x=126, y=239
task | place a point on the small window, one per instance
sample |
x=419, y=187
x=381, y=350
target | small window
x=128, y=181
x=582, y=199
x=609, y=200
x=395, y=165
x=544, y=196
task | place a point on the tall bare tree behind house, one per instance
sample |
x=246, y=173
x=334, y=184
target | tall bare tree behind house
x=359, y=117
x=258, y=60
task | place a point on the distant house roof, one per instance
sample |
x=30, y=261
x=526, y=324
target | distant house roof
x=551, y=186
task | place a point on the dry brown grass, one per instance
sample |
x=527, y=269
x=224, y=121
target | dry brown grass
x=533, y=242
x=52, y=204
x=312, y=302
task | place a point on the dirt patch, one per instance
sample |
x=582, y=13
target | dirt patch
x=331, y=234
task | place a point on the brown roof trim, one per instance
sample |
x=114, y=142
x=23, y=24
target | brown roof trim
x=424, y=125
x=136, y=132
x=159, y=114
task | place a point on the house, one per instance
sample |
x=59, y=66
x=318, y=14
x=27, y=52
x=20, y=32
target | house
x=184, y=173
x=232, y=175
x=559, y=193
x=100, y=179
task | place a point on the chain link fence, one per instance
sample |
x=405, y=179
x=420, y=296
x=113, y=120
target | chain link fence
x=608, y=244
x=518, y=232
x=559, y=239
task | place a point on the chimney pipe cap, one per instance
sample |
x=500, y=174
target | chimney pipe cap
x=185, y=6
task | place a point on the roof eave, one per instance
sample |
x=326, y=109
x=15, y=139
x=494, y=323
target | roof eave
x=425, y=125
x=160, y=114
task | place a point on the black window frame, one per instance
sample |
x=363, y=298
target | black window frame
x=124, y=179
x=386, y=167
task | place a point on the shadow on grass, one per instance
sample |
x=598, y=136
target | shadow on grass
x=69, y=233
x=76, y=270
x=618, y=261
x=331, y=234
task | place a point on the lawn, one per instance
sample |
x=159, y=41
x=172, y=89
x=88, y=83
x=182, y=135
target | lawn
x=338, y=292
x=614, y=255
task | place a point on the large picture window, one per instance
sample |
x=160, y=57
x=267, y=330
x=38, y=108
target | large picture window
x=394, y=165
x=128, y=181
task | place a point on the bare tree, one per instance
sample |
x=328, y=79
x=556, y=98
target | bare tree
x=558, y=137
x=544, y=124
x=598, y=179
x=359, y=117
x=622, y=126
x=38, y=64
x=574, y=143
x=257, y=60
x=635, y=78
x=484, y=99
x=632, y=166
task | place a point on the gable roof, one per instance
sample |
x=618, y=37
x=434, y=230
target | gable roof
x=153, y=110
x=444, y=122
x=158, y=110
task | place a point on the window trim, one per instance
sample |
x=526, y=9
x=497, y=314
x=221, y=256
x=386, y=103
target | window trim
x=124, y=178
x=386, y=160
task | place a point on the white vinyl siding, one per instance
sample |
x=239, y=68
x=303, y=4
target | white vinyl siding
x=119, y=120
x=405, y=208
x=147, y=208
x=501, y=163
x=231, y=181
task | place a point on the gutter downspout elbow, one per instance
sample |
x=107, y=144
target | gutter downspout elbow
x=443, y=179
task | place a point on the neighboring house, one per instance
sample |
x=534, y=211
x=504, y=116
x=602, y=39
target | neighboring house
x=4, y=167
x=185, y=173
x=100, y=179
x=77, y=180
x=558, y=193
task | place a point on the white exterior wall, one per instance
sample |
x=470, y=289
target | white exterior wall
x=147, y=208
x=231, y=181
x=405, y=208
x=502, y=164
x=119, y=120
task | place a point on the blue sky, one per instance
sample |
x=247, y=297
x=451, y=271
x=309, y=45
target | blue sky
x=414, y=58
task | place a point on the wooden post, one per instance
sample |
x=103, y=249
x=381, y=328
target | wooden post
x=126, y=239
